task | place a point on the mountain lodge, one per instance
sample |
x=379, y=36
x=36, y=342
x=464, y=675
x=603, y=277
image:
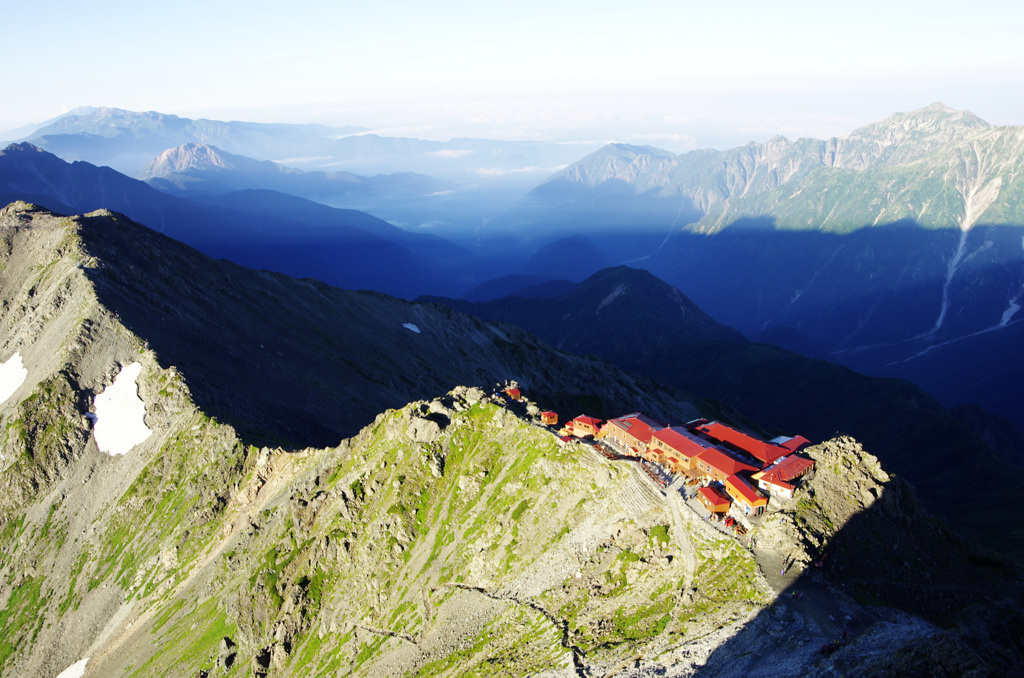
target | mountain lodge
x=736, y=468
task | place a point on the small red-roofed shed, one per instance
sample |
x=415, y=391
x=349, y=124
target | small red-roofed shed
x=513, y=393
x=714, y=499
x=549, y=418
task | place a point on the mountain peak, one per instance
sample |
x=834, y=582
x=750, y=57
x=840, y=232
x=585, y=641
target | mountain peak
x=190, y=156
x=936, y=120
x=21, y=147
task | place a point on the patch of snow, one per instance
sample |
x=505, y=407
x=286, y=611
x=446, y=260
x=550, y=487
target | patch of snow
x=76, y=670
x=411, y=327
x=1010, y=312
x=12, y=376
x=120, y=414
x=951, y=268
x=616, y=293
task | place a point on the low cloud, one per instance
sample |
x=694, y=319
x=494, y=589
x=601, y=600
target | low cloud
x=494, y=171
x=452, y=153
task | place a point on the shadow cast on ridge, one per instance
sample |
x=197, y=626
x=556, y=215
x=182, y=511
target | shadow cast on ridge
x=896, y=593
x=287, y=362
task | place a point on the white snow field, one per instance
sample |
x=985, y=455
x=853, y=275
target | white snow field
x=76, y=670
x=12, y=376
x=120, y=423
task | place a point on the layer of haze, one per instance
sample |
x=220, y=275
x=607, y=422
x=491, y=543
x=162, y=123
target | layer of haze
x=674, y=74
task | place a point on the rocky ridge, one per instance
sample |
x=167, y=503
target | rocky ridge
x=453, y=537
x=450, y=536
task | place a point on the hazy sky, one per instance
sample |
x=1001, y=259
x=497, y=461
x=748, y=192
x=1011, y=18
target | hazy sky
x=676, y=74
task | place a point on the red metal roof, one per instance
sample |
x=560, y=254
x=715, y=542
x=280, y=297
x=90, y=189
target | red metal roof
x=589, y=421
x=773, y=481
x=747, y=491
x=789, y=468
x=760, y=450
x=723, y=463
x=682, y=441
x=791, y=443
x=638, y=425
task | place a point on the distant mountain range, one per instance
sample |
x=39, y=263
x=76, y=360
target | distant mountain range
x=261, y=229
x=489, y=175
x=936, y=166
x=129, y=140
x=455, y=533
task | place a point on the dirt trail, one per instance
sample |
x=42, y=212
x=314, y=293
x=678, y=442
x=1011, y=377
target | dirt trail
x=674, y=500
x=818, y=602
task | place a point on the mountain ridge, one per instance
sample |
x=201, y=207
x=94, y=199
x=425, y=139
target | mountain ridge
x=449, y=535
x=742, y=182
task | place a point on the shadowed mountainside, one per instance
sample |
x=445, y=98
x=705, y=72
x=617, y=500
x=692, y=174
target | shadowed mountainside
x=297, y=361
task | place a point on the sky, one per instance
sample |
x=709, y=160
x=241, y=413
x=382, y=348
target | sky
x=676, y=74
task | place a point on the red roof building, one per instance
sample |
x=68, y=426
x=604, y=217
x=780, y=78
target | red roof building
x=764, y=452
x=791, y=443
x=777, y=480
x=549, y=418
x=584, y=426
x=714, y=499
x=632, y=431
x=716, y=464
x=513, y=393
x=677, y=448
x=745, y=494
